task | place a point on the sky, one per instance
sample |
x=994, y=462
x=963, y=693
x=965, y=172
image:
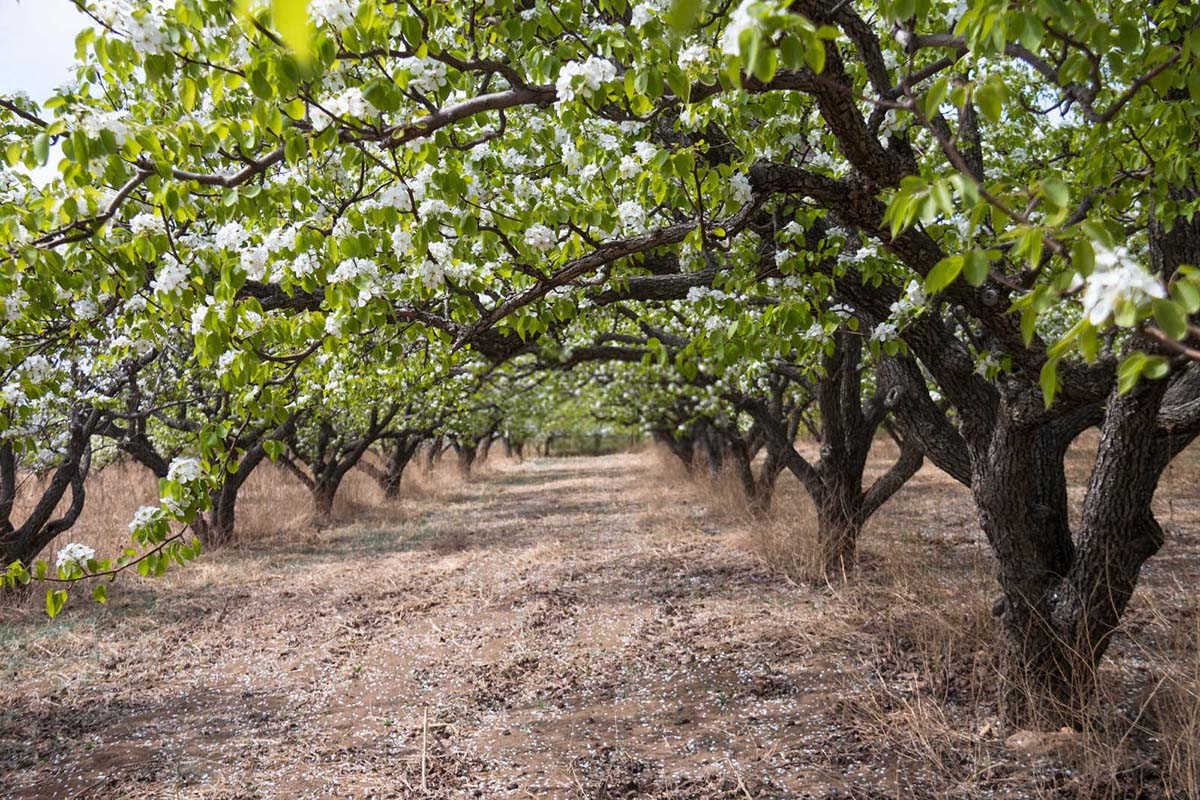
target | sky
x=37, y=45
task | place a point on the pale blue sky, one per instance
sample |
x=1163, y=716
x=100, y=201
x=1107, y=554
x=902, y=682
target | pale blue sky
x=37, y=45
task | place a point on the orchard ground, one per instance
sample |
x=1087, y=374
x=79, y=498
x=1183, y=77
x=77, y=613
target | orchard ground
x=579, y=628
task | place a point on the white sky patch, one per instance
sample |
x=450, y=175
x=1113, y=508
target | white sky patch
x=37, y=45
x=37, y=54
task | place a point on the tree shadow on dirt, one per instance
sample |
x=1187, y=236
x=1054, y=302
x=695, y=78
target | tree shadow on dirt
x=64, y=748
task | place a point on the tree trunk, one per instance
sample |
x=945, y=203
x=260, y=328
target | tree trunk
x=323, y=493
x=683, y=449
x=466, y=457
x=758, y=489
x=393, y=472
x=1064, y=594
x=431, y=455
x=215, y=527
x=839, y=523
x=714, y=451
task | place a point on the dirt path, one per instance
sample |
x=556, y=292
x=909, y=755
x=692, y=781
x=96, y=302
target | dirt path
x=576, y=628
x=551, y=631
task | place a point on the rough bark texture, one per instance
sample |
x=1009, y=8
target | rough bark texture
x=25, y=541
x=847, y=429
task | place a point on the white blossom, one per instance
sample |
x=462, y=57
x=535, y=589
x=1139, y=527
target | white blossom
x=1117, y=279
x=115, y=122
x=594, y=73
x=170, y=276
x=184, y=470
x=230, y=236
x=85, y=308
x=884, y=331
x=305, y=264
x=254, y=262
x=146, y=515
x=147, y=222
x=740, y=185
x=645, y=151
x=740, y=20
x=425, y=74
x=335, y=13
x=539, y=237
x=645, y=11
x=353, y=268
x=37, y=368
x=401, y=242
x=74, y=553
x=633, y=216
x=693, y=57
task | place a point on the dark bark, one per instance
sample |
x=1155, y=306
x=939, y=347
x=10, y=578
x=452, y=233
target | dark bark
x=682, y=447
x=216, y=526
x=330, y=454
x=25, y=541
x=432, y=452
x=465, y=452
x=847, y=429
x=401, y=454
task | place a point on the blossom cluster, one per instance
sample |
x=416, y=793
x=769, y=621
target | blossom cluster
x=146, y=515
x=74, y=553
x=539, y=237
x=171, y=275
x=184, y=470
x=1117, y=279
x=591, y=74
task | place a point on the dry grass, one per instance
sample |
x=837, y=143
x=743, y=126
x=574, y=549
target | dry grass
x=582, y=628
x=930, y=687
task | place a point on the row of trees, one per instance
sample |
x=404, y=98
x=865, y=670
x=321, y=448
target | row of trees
x=969, y=224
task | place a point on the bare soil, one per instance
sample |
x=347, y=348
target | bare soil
x=574, y=628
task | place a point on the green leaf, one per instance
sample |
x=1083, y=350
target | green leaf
x=1171, y=318
x=41, y=148
x=1187, y=294
x=679, y=83
x=975, y=269
x=187, y=94
x=1049, y=380
x=1028, y=321
x=814, y=54
x=291, y=20
x=1083, y=257
x=943, y=274
x=936, y=95
x=55, y=600
x=991, y=103
x=100, y=593
x=1156, y=367
x=1056, y=192
x=765, y=64
x=260, y=84
x=941, y=195
x=1129, y=370
x=683, y=14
